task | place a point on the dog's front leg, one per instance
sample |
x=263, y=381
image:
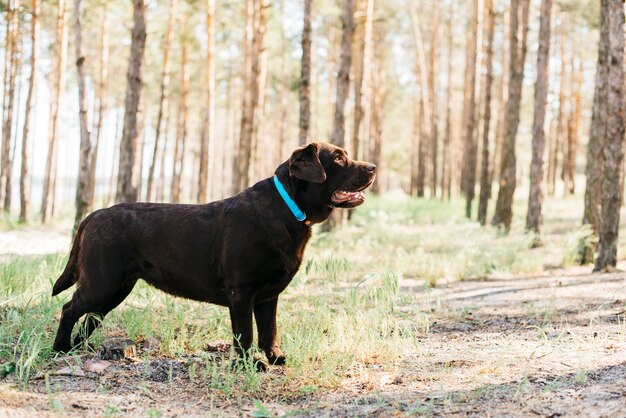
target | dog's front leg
x=265, y=314
x=240, y=308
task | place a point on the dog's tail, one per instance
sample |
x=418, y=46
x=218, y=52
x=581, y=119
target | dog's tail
x=69, y=275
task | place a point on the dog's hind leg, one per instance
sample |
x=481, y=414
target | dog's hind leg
x=92, y=296
x=265, y=315
x=92, y=321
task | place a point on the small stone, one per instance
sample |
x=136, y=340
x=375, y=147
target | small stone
x=96, y=366
x=69, y=371
x=117, y=348
x=151, y=343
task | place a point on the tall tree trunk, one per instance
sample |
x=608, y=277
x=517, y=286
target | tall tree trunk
x=485, y=179
x=181, y=130
x=164, y=97
x=50, y=176
x=534, y=218
x=504, y=212
x=425, y=109
x=432, y=92
x=255, y=25
x=207, y=136
x=32, y=88
x=504, y=97
x=613, y=150
x=362, y=59
x=128, y=176
x=13, y=41
x=305, y=74
x=572, y=126
x=378, y=88
x=415, y=143
x=103, y=80
x=468, y=177
x=560, y=117
x=447, y=155
x=343, y=76
x=343, y=88
x=83, y=189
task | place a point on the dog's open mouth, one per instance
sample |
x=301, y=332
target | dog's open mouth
x=341, y=196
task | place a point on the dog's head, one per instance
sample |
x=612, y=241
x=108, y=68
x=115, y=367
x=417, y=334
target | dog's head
x=332, y=178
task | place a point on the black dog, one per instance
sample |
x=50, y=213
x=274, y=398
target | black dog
x=239, y=252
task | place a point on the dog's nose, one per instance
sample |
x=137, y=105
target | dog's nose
x=371, y=168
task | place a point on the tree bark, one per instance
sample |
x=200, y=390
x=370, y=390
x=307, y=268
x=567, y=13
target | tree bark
x=613, y=150
x=163, y=98
x=83, y=189
x=425, y=117
x=181, y=130
x=446, y=158
x=32, y=88
x=432, y=92
x=504, y=213
x=128, y=176
x=50, y=176
x=103, y=80
x=560, y=117
x=534, y=218
x=572, y=126
x=208, y=121
x=343, y=76
x=255, y=28
x=468, y=177
x=9, y=122
x=378, y=88
x=485, y=179
x=305, y=75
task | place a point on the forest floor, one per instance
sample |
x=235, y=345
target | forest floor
x=485, y=341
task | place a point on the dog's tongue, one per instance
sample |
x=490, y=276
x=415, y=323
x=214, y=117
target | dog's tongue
x=341, y=196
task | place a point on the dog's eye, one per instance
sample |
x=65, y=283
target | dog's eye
x=338, y=159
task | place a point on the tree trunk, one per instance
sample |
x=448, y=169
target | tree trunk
x=343, y=76
x=613, y=150
x=447, y=155
x=208, y=121
x=181, y=130
x=425, y=117
x=504, y=97
x=504, y=213
x=485, y=179
x=305, y=74
x=50, y=176
x=255, y=30
x=103, y=80
x=572, y=126
x=378, y=88
x=343, y=88
x=83, y=195
x=534, y=218
x=468, y=176
x=128, y=177
x=164, y=97
x=9, y=121
x=432, y=92
x=32, y=86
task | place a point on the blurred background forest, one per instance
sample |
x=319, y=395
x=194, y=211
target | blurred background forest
x=190, y=101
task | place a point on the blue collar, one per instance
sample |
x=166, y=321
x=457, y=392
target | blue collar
x=293, y=207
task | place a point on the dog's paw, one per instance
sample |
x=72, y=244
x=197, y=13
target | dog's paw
x=276, y=357
x=62, y=348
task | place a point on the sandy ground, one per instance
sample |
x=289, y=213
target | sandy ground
x=548, y=345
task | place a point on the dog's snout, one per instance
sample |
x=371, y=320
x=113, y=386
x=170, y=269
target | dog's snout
x=370, y=168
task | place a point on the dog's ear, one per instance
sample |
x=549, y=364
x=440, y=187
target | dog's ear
x=305, y=164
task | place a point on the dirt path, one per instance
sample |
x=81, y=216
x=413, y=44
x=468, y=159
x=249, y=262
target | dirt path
x=34, y=240
x=549, y=345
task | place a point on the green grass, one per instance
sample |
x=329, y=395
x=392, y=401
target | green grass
x=340, y=314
